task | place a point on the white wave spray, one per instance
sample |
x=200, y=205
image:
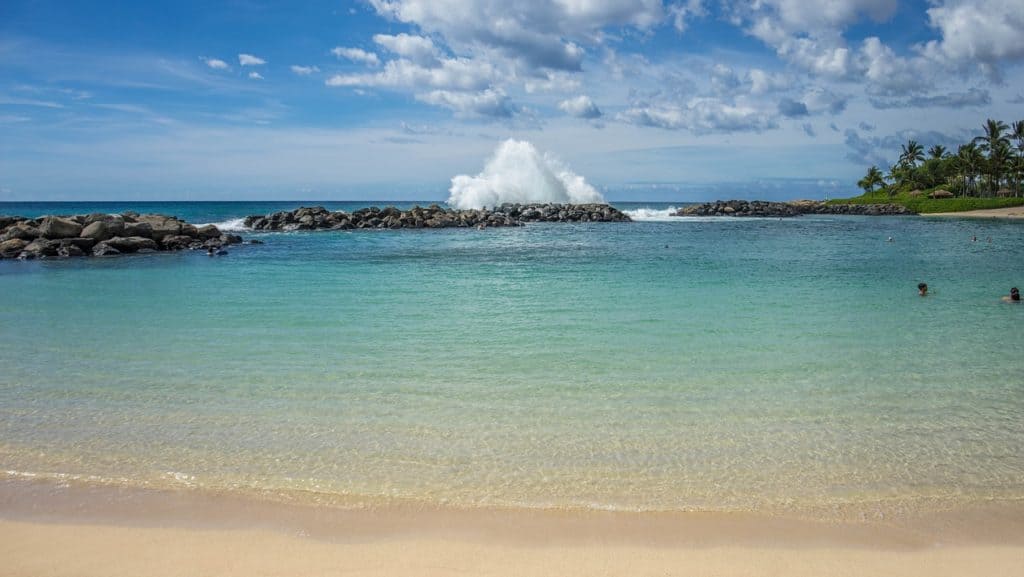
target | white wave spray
x=232, y=225
x=654, y=214
x=517, y=172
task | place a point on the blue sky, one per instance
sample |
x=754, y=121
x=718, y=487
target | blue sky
x=649, y=100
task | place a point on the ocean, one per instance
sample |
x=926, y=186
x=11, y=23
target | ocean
x=706, y=364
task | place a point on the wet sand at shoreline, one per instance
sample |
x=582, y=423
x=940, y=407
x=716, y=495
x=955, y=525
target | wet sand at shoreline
x=48, y=530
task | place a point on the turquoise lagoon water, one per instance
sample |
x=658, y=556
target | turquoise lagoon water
x=698, y=364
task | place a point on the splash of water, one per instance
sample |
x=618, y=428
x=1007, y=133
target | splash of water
x=517, y=172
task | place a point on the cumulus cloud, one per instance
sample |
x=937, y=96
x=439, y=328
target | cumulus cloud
x=700, y=116
x=250, y=60
x=216, y=63
x=418, y=49
x=449, y=74
x=683, y=12
x=255, y=75
x=545, y=34
x=486, y=103
x=792, y=108
x=356, y=55
x=984, y=31
x=580, y=107
x=972, y=97
x=304, y=70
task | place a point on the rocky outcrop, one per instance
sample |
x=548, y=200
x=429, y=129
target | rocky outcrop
x=103, y=235
x=433, y=216
x=760, y=208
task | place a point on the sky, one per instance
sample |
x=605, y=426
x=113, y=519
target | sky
x=678, y=100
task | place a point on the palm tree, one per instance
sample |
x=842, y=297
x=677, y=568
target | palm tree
x=872, y=179
x=989, y=143
x=912, y=154
x=937, y=152
x=969, y=161
x=1017, y=130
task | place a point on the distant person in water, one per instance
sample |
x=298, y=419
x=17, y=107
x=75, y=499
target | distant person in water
x=1014, y=296
x=922, y=289
x=209, y=251
x=890, y=239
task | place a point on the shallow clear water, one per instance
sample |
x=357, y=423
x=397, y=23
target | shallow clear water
x=714, y=364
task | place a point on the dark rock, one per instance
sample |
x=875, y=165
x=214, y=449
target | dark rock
x=103, y=249
x=433, y=216
x=41, y=247
x=69, y=250
x=53, y=227
x=176, y=242
x=12, y=247
x=132, y=228
x=21, y=230
x=208, y=231
x=129, y=244
x=759, y=208
x=102, y=230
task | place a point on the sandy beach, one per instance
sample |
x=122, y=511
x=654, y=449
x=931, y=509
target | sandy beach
x=1009, y=212
x=86, y=531
x=39, y=550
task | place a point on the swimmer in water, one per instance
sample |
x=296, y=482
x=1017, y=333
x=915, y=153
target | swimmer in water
x=922, y=289
x=1014, y=296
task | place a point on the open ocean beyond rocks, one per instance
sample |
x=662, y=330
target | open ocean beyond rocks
x=667, y=364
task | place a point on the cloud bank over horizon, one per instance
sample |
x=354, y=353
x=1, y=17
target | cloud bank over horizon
x=413, y=87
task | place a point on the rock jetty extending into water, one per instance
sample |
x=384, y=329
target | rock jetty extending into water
x=104, y=235
x=761, y=208
x=433, y=216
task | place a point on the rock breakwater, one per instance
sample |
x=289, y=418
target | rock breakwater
x=101, y=234
x=761, y=208
x=433, y=216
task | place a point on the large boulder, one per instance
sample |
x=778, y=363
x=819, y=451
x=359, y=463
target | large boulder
x=143, y=229
x=12, y=248
x=21, y=230
x=55, y=227
x=177, y=242
x=160, y=225
x=40, y=247
x=102, y=230
x=128, y=244
x=207, y=232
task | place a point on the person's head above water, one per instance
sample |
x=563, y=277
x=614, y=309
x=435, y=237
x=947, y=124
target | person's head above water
x=922, y=288
x=1014, y=294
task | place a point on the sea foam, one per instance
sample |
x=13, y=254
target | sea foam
x=231, y=225
x=653, y=214
x=517, y=172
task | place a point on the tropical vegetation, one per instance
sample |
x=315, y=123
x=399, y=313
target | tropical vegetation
x=991, y=165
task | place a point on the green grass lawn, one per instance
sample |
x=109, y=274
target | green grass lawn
x=924, y=205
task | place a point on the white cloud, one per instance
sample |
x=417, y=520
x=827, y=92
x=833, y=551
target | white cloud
x=490, y=102
x=683, y=12
x=580, y=107
x=304, y=70
x=356, y=55
x=250, y=60
x=255, y=75
x=545, y=34
x=700, y=115
x=216, y=63
x=977, y=30
x=762, y=82
x=418, y=49
x=449, y=74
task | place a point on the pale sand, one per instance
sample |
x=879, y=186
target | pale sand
x=40, y=550
x=1011, y=212
x=60, y=531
